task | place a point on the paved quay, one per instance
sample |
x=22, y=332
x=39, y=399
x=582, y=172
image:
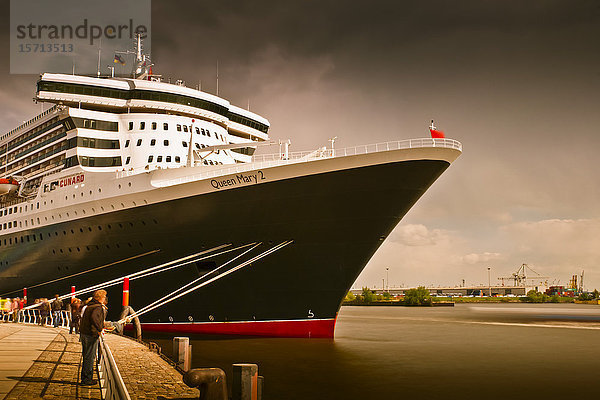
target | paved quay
x=44, y=363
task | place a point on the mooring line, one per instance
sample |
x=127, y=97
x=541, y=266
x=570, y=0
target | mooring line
x=198, y=279
x=116, y=281
x=86, y=271
x=169, y=298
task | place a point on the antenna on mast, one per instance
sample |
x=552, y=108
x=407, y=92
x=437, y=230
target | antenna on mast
x=99, y=55
x=217, y=76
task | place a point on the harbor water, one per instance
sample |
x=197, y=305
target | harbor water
x=508, y=351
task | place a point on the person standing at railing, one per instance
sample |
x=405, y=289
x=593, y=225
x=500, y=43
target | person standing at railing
x=6, y=306
x=44, y=311
x=75, y=316
x=56, y=308
x=92, y=323
x=14, y=308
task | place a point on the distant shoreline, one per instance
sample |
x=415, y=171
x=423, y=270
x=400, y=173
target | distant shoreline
x=449, y=302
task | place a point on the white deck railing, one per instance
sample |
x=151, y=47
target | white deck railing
x=364, y=149
x=271, y=160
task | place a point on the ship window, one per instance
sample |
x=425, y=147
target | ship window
x=205, y=162
x=197, y=131
x=168, y=159
x=159, y=159
x=10, y=210
x=142, y=125
x=208, y=133
x=139, y=142
x=184, y=144
x=127, y=143
x=152, y=142
x=185, y=129
x=203, y=132
x=130, y=125
x=9, y=225
x=154, y=126
x=177, y=159
x=165, y=126
x=150, y=158
x=127, y=161
x=197, y=146
x=178, y=128
x=166, y=142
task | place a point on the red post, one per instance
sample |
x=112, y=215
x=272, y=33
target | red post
x=125, y=292
x=72, y=293
x=25, y=295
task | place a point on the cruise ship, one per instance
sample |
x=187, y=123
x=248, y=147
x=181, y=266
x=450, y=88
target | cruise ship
x=121, y=174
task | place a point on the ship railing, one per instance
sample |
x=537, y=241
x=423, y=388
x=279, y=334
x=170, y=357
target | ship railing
x=272, y=160
x=111, y=381
x=364, y=149
x=34, y=119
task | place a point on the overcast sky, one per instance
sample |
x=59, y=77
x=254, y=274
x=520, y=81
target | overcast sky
x=517, y=83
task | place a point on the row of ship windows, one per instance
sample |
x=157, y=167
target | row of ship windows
x=180, y=128
x=19, y=209
x=40, y=236
x=169, y=159
x=24, y=223
x=137, y=94
x=165, y=143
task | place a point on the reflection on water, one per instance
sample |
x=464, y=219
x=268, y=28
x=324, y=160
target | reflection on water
x=494, y=350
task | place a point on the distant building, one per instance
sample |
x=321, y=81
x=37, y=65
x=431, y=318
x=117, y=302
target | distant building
x=462, y=290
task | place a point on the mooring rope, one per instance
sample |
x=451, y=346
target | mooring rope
x=198, y=279
x=170, y=297
x=186, y=260
x=86, y=271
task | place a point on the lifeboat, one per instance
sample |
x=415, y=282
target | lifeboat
x=8, y=185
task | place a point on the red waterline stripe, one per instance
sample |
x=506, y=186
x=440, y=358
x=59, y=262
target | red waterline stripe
x=322, y=328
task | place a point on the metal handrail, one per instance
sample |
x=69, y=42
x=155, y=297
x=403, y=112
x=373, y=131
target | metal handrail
x=271, y=160
x=365, y=149
x=111, y=381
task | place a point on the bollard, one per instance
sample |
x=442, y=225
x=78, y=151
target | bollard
x=245, y=382
x=72, y=293
x=210, y=381
x=182, y=353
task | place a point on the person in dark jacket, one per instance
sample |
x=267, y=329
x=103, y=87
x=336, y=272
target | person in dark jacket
x=92, y=323
x=75, y=316
x=56, y=308
x=44, y=311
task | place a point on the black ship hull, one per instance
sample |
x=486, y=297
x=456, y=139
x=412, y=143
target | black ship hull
x=337, y=220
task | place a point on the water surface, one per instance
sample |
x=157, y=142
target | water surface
x=509, y=351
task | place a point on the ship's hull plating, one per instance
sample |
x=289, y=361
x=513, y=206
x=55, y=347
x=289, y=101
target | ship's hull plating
x=337, y=220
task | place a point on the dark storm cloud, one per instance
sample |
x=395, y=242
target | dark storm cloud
x=515, y=81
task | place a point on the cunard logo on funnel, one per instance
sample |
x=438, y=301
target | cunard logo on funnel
x=82, y=37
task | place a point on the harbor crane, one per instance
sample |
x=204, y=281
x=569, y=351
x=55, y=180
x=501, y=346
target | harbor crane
x=520, y=277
